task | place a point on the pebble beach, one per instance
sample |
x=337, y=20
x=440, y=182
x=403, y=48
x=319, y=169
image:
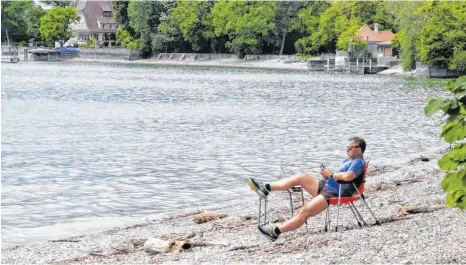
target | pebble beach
x=416, y=227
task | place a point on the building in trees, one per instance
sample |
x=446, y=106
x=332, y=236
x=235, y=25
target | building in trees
x=379, y=43
x=96, y=22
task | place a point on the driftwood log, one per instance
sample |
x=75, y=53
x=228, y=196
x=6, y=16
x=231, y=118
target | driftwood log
x=420, y=209
x=157, y=245
x=206, y=217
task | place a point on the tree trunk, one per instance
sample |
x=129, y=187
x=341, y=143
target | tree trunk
x=283, y=41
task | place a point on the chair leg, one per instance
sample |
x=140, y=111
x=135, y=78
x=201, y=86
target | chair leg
x=265, y=211
x=260, y=211
x=373, y=215
x=302, y=198
x=327, y=220
x=354, y=213
x=338, y=215
x=291, y=204
x=360, y=216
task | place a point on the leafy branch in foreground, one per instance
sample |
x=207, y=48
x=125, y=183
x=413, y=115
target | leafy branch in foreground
x=453, y=132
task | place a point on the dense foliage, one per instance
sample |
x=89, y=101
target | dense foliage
x=428, y=31
x=55, y=24
x=21, y=20
x=453, y=132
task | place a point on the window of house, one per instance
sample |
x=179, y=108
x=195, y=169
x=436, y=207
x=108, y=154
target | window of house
x=107, y=13
x=106, y=26
x=114, y=26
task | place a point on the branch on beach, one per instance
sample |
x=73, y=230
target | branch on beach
x=157, y=245
x=207, y=217
x=394, y=218
x=420, y=209
x=242, y=247
x=66, y=240
x=394, y=184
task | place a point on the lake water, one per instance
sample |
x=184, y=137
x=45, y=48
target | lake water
x=89, y=146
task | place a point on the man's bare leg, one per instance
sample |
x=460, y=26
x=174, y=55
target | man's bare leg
x=314, y=207
x=309, y=183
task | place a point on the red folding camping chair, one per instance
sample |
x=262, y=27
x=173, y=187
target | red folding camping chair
x=359, y=194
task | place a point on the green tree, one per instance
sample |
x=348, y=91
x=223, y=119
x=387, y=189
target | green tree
x=55, y=24
x=59, y=3
x=21, y=20
x=453, y=132
x=192, y=19
x=168, y=36
x=410, y=23
x=306, y=24
x=90, y=44
x=120, y=12
x=123, y=36
x=245, y=23
x=144, y=18
x=385, y=16
x=352, y=28
x=33, y=22
x=443, y=35
x=287, y=12
x=458, y=62
x=328, y=32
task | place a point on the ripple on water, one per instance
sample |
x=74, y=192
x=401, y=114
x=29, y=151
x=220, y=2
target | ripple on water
x=103, y=140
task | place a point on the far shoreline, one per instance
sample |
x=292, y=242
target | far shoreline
x=225, y=63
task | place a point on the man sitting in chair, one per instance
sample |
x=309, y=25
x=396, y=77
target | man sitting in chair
x=352, y=171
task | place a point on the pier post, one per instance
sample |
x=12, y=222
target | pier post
x=25, y=54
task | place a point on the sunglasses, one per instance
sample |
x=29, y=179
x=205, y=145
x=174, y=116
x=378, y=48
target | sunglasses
x=349, y=148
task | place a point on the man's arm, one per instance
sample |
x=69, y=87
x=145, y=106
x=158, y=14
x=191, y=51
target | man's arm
x=344, y=176
x=356, y=167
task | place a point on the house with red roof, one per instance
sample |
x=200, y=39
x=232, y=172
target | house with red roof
x=379, y=43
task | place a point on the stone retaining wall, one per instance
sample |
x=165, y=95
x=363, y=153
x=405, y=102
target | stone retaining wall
x=110, y=54
x=423, y=70
x=220, y=56
x=194, y=56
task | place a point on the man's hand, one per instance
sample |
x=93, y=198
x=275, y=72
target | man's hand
x=325, y=173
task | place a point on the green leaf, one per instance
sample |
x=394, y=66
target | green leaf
x=462, y=109
x=446, y=163
x=454, y=181
x=451, y=86
x=458, y=153
x=460, y=84
x=461, y=203
x=433, y=106
x=457, y=199
x=454, y=131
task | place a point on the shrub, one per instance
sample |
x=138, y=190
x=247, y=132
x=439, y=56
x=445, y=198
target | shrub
x=453, y=132
x=458, y=62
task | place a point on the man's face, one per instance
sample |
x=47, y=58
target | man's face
x=353, y=149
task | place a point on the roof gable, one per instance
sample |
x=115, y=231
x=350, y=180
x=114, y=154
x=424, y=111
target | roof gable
x=367, y=34
x=93, y=13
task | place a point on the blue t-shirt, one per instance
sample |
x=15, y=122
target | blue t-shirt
x=356, y=165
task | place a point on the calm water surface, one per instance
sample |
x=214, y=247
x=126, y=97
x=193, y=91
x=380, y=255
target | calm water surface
x=88, y=146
